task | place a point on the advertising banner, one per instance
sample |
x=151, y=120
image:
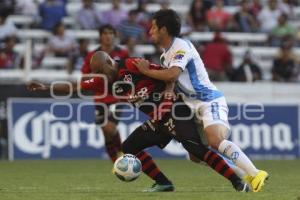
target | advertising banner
x=266, y=131
x=52, y=129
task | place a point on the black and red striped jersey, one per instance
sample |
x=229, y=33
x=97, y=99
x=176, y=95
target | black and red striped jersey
x=143, y=92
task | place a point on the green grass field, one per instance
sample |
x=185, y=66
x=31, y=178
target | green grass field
x=92, y=179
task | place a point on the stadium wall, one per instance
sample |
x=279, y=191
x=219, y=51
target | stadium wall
x=264, y=122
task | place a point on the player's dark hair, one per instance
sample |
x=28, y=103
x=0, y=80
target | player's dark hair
x=168, y=18
x=107, y=27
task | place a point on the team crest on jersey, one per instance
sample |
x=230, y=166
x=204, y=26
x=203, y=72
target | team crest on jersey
x=128, y=78
x=179, y=55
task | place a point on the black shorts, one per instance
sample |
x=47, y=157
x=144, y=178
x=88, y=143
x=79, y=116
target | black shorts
x=160, y=133
x=103, y=113
x=181, y=125
x=143, y=137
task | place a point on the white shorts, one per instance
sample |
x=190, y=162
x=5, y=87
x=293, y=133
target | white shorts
x=212, y=112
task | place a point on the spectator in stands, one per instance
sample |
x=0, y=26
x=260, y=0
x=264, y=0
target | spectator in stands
x=248, y=71
x=6, y=28
x=197, y=15
x=218, y=19
x=243, y=20
x=51, y=12
x=107, y=38
x=143, y=16
x=27, y=7
x=287, y=7
x=88, y=17
x=255, y=7
x=285, y=66
x=130, y=43
x=164, y=4
x=115, y=15
x=77, y=57
x=268, y=17
x=130, y=28
x=60, y=44
x=218, y=59
x=282, y=32
x=9, y=59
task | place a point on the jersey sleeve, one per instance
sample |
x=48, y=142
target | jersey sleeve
x=181, y=56
x=92, y=84
x=129, y=64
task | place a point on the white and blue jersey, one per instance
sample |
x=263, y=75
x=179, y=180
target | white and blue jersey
x=200, y=94
x=193, y=81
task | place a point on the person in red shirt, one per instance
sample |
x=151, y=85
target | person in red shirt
x=107, y=35
x=9, y=59
x=217, y=59
x=217, y=18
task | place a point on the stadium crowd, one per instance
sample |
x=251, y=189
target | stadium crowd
x=276, y=18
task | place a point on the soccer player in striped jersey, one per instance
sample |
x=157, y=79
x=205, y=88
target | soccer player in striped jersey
x=184, y=67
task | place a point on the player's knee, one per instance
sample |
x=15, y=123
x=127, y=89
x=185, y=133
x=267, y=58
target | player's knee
x=109, y=130
x=215, y=134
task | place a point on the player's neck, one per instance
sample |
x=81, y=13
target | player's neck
x=167, y=42
x=107, y=48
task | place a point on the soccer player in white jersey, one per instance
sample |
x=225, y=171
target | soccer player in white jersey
x=185, y=71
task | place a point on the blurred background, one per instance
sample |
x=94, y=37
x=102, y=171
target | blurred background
x=250, y=48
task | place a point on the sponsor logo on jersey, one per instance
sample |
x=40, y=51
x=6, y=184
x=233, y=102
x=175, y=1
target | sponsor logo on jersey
x=128, y=78
x=179, y=55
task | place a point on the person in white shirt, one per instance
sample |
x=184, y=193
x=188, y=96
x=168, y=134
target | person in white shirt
x=7, y=28
x=268, y=17
x=184, y=67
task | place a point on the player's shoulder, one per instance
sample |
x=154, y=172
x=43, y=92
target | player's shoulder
x=182, y=43
x=180, y=46
x=90, y=53
x=119, y=48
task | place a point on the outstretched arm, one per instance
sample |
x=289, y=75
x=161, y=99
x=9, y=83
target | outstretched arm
x=59, y=88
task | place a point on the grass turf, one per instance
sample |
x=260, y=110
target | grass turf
x=92, y=179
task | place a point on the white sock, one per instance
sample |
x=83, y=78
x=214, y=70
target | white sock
x=235, y=154
x=238, y=171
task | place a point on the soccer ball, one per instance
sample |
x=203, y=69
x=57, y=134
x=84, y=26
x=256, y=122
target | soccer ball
x=127, y=167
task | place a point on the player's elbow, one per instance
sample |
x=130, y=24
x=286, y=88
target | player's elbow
x=172, y=76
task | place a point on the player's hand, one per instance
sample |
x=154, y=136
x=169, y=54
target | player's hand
x=35, y=86
x=142, y=65
x=134, y=98
x=169, y=94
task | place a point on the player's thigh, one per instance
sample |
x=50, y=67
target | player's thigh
x=213, y=112
x=187, y=133
x=214, y=116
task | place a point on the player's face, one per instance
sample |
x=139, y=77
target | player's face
x=107, y=37
x=155, y=32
